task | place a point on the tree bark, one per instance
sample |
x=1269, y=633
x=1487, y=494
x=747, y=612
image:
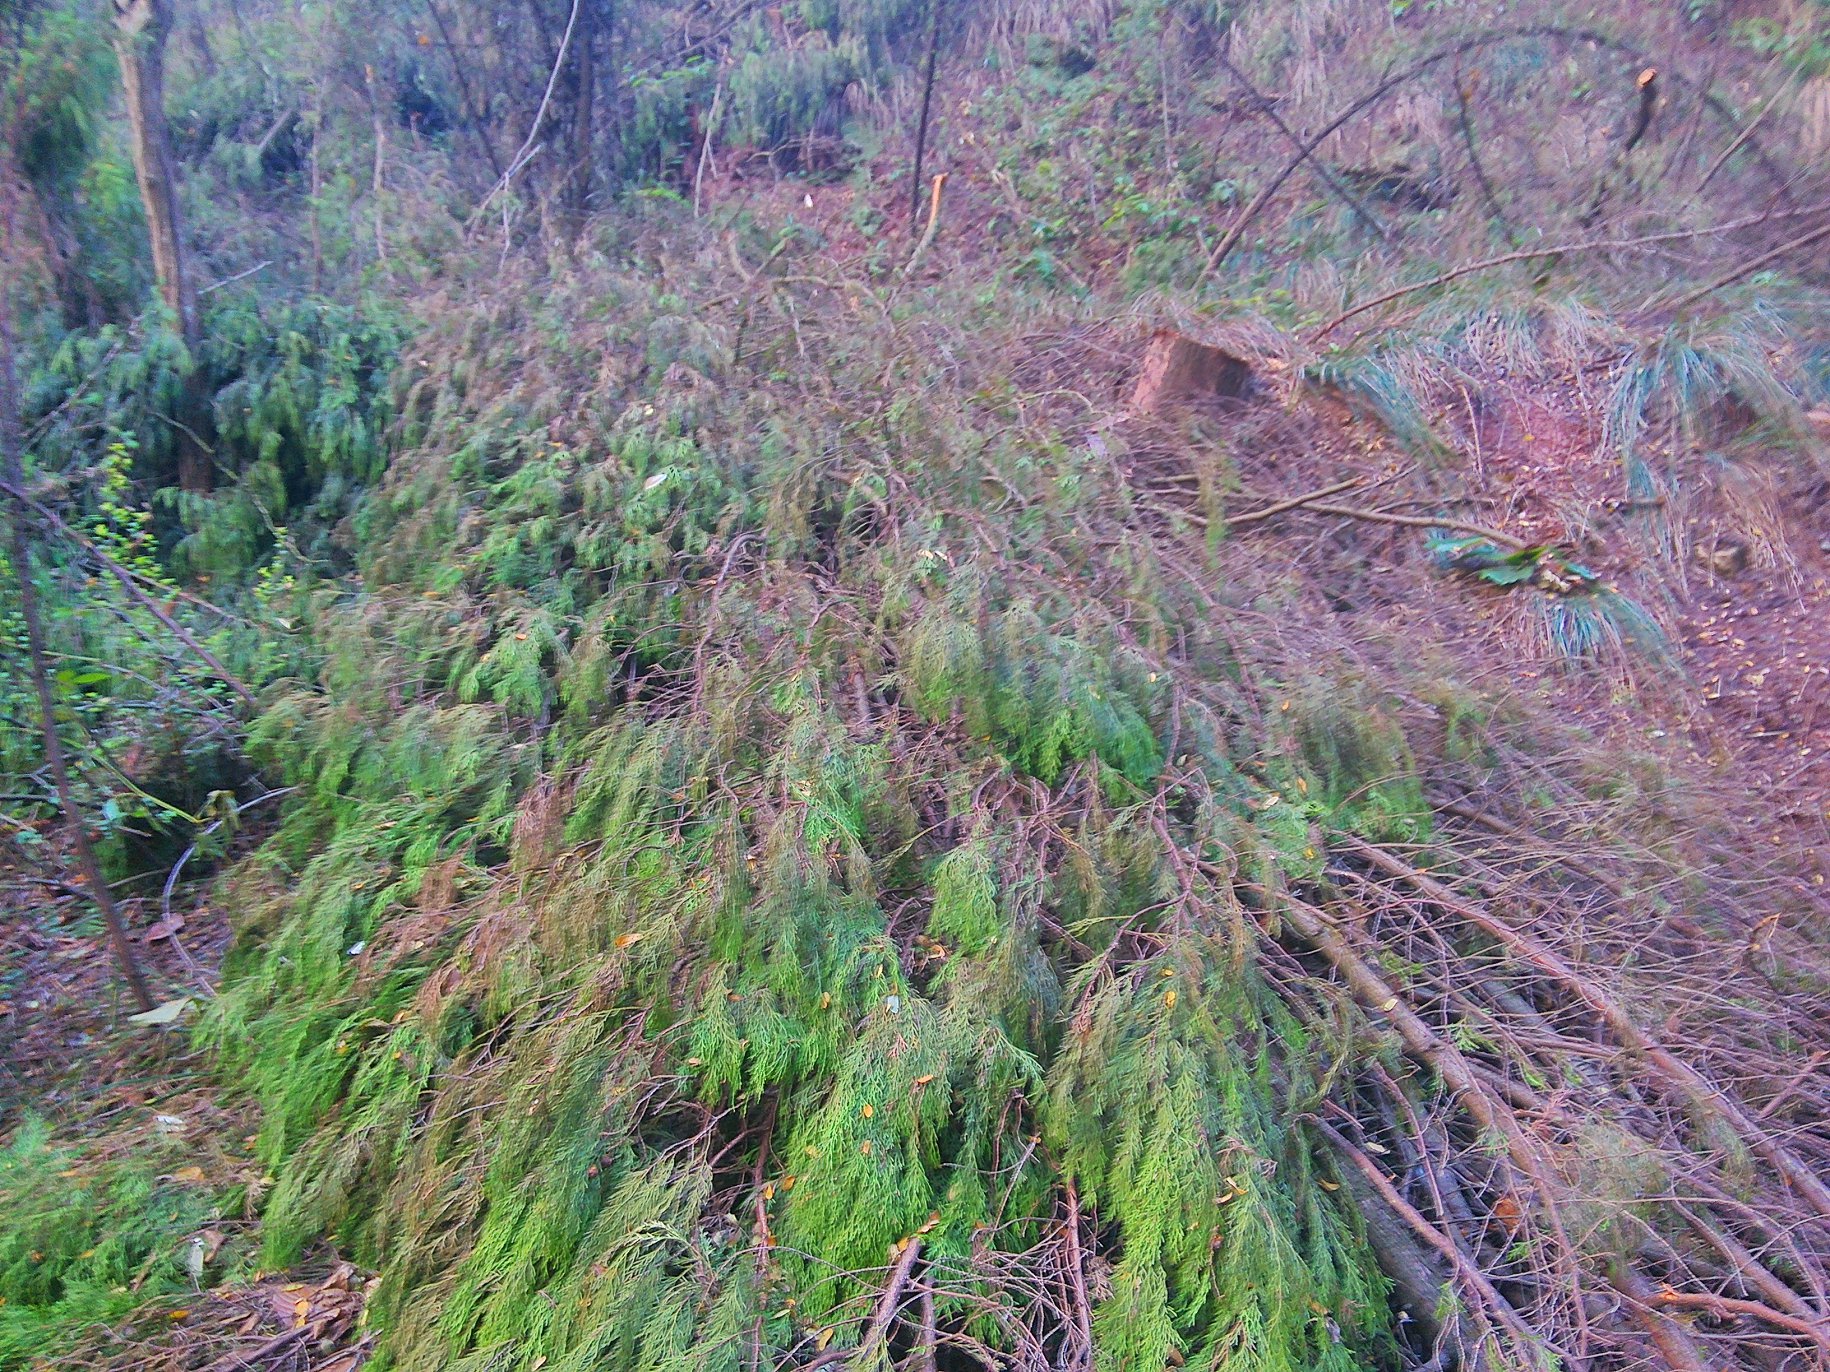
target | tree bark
x=580, y=129
x=14, y=466
x=927, y=101
x=140, y=30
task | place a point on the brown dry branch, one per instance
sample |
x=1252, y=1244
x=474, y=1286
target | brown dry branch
x=1754, y=264
x=1252, y=517
x=885, y=1312
x=1472, y=1093
x=1486, y=1297
x=1460, y=48
x=1504, y=540
x=1678, y=1075
x=1586, y=246
x=1818, y=1331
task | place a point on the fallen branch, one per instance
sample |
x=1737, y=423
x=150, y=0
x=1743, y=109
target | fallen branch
x=229, y=1362
x=1470, y=1275
x=1740, y=138
x=1306, y=154
x=1442, y=1057
x=1678, y=1075
x=1083, y=1308
x=879, y=1326
x=1562, y=249
x=1753, y=265
x=1722, y=1306
x=1505, y=540
x=1672, y=1340
x=1294, y=501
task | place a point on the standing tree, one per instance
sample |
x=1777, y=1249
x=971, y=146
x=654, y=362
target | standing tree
x=12, y=464
x=582, y=90
x=140, y=30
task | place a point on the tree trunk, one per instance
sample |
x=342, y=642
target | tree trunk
x=579, y=134
x=927, y=101
x=140, y=30
x=13, y=465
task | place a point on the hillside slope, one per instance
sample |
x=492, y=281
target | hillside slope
x=816, y=819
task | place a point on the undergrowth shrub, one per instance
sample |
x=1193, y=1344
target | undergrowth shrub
x=87, y=1239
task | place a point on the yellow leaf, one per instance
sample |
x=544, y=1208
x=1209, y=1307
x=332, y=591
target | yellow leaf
x=1169, y=998
x=192, y=1173
x=923, y=1081
x=869, y=1110
x=824, y=1338
x=624, y=940
x=177, y=1314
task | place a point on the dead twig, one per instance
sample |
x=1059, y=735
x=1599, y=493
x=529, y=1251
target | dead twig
x=1505, y=540
x=879, y=1326
x=1678, y=1075
x=1753, y=265
x=1589, y=245
x=1294, y=501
